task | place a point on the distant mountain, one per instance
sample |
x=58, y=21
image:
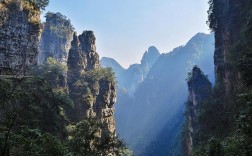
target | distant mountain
x=109, y=62
x=149, y=58
x=130, y=78
x=150, y=121
x=117, y=68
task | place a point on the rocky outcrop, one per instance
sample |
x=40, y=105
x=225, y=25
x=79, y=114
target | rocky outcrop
x=200, y=90
x=91, y=87
x=56, y=38
x=19, y=33
x=87, y=44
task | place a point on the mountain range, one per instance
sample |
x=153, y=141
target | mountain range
x=151, y=95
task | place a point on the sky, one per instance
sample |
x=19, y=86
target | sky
x=124, y=29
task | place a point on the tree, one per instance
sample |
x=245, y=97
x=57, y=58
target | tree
x=85, y=138
x=42, y=4
x=28, y=102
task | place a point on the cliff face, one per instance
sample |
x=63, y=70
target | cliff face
x=200, y=89
x=19, y=33
x=92, y=88
x=56, y=38
x=226, y=20
x=87, y=44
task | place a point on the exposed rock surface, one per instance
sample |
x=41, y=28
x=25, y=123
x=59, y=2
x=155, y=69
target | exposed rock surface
x=56, y=38
x=228, y=27
x=92, y=88
x=200, y=90
x=19, y=36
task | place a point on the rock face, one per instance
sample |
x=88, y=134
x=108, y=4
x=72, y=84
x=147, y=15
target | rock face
x=200, y=90
x=92, y=88
x=82, y=55
x=226, y=27
x=56, y=38
x=87, y=44
x=19, y=33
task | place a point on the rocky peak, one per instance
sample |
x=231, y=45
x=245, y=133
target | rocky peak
x=87, y=40
x=200, y=90
x=150, y=57
x=19, y=32
x=199, y=87
x=56, y=38
x=83, y=55
x=87, y=44
x=77, y=61
x=92, y=88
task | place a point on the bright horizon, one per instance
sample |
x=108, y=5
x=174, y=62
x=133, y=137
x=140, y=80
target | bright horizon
x=125, y=29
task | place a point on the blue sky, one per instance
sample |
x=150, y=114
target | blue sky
x=124, y=29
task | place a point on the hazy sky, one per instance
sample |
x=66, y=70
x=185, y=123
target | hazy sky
x=124, y=29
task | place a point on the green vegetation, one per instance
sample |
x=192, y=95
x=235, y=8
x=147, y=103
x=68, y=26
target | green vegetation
x=28, y=103
x=30, y=7
x=33, y=121
x=40, y=3
x=54, y=73
x=86, y=139
x=100, y=74
x=225, y=118
x=58, y=24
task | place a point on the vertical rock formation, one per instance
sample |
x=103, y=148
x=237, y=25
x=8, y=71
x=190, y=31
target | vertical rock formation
x=87, y=44
x=56, y=38
x=91, y=87
x=225, y=21
x=200, y=89
x=19, y=36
